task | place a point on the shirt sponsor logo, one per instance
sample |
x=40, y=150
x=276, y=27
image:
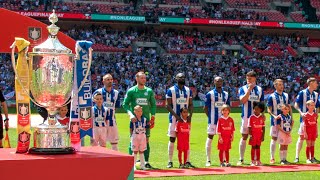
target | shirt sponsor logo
x=218, y=104
x=108, y=104
x=142, y=101
x=140, y=130
x=181, y=101
x=254, y=98
x=99, y=119
x=286, y=125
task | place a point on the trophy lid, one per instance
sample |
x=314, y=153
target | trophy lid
x=52, y=45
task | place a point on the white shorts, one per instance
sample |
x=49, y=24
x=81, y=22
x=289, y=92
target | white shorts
x=244, y=126
x=172, y=130
x=212, y=129
x=301, y=129
x=274, y=131
x=138, y=142
x=284, y=139
x=112, y=134
x=99, y=136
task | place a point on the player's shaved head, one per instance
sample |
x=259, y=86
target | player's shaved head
x=107, y=80
x=107, y=76
x=140, y=74
x=218, y=78
x=141, y=78
x=218, y=82
x=180, y=75
x=181, y=79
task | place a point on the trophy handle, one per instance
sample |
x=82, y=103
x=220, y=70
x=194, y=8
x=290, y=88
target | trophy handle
x=13, y=60
x=73, y=95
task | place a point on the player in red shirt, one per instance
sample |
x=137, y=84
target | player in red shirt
x=311, y=131
x=256, y=131
x=62, y=116
x=225, y=130
x=183, y=134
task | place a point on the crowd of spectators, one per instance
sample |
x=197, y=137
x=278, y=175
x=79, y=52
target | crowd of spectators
x=215, y=12
x=6, y=74
x=63, y=6
x=161, y=69
x=186, y=9
x=200, y=70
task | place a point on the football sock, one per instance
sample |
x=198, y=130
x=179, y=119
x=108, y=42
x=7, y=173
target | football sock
x=221, y=156
x=258, y=154
x=130, y=150
x=281, y=155
x=208, y=148
x=272, y=148
x=170, y=150
x=298, y=147
x=308, y=152
x=242, y=148
x=188, y=157
x=147, y=153
x=185, y=154
x=142, y=163
x=253, y=151
x=226, y=153
x=180, y=156
x=312, y=152
x=135, y=158
x=285, y=152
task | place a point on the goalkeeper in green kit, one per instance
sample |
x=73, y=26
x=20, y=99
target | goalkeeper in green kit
x=143, y=96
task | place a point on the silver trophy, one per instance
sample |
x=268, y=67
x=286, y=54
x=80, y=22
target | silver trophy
x=51, y=81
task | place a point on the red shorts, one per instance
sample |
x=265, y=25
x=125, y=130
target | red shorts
x=311, y=132
x=226, y=144
x=255, y=140
x=312, y=136
x=183, y=145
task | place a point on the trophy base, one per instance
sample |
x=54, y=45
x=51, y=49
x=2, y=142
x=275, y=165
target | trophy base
x=52, y=151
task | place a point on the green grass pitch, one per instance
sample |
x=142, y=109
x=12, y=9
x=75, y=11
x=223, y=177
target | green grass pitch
x=159, y=143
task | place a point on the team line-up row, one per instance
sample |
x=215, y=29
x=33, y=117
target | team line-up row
x=140, y=105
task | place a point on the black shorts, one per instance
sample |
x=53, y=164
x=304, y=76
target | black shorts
x=1, y=128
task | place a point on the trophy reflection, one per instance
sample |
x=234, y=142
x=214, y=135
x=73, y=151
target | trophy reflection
x=51, y=81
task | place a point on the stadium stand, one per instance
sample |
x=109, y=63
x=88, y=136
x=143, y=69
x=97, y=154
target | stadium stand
x=200, y=54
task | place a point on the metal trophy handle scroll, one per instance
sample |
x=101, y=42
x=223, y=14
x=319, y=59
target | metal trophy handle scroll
x=51, y=69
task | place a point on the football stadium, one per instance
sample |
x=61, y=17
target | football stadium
x=159, y=89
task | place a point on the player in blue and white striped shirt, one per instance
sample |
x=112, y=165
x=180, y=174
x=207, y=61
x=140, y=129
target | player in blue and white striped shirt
x=99, y=115
x=275, y=101
x=178, y=96
x=111, y=101
x=215, y=99
x=248, y=94
x=301, y=106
